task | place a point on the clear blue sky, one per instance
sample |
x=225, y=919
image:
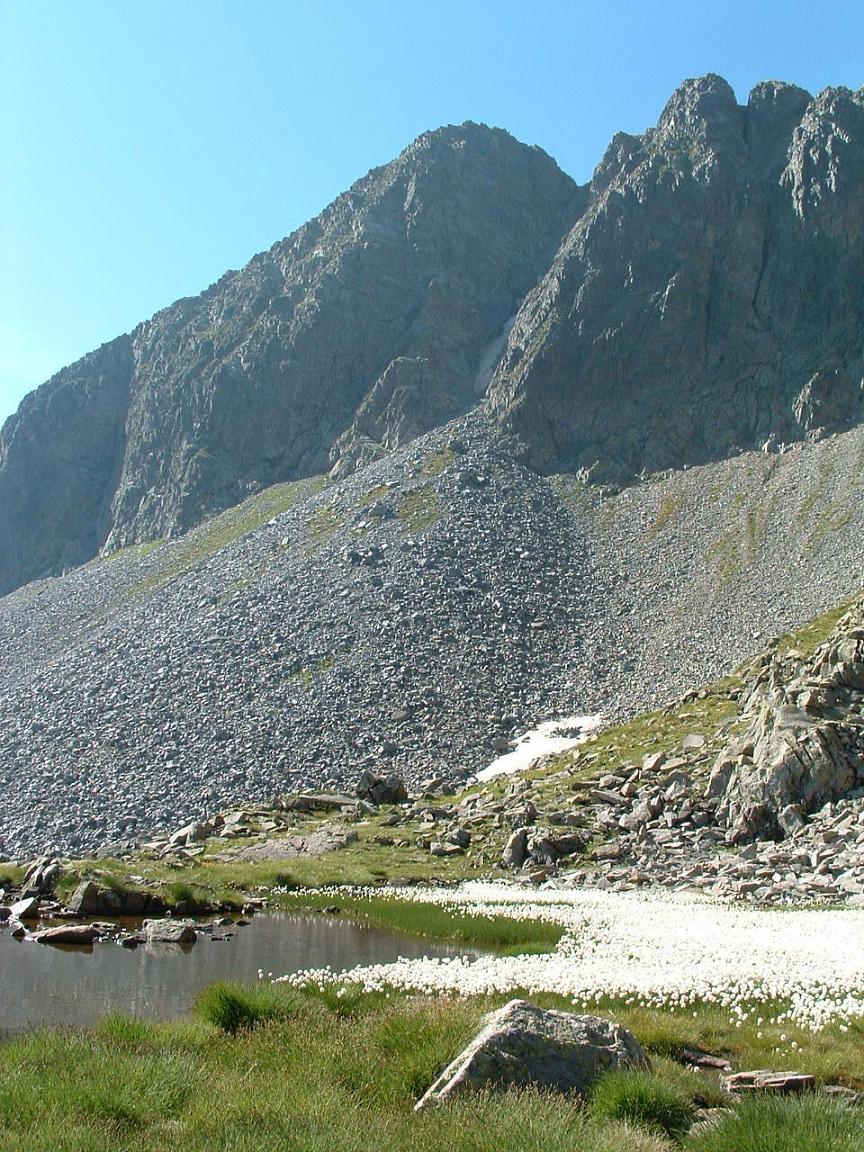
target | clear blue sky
x=149, y=145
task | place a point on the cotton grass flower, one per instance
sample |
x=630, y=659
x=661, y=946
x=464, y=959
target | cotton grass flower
x=663, y=950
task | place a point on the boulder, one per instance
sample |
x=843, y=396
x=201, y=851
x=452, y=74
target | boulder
x=381, y=789
x=786, y=758
x=169, y=932
x=90, y=899
x=192, y=833
x=40, y=877
x=802, y=746
x=524, y=1045
x=516, y=849
x=27, y=909
x=82, y=934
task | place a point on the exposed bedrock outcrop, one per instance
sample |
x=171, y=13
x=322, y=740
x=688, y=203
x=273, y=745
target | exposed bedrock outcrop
x=703, y=294
x=804, y=743
x=366, y=327
x=711, y=296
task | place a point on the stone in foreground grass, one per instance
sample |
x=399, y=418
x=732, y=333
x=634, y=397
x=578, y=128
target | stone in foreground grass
x=320, y=1080
x=342, y=1074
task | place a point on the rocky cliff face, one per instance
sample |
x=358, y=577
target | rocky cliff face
x=707, y=298
x=361, y=330
x=711, y=296
x=60, y=460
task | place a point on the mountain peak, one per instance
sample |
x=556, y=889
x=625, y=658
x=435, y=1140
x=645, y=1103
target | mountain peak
x=360, y=331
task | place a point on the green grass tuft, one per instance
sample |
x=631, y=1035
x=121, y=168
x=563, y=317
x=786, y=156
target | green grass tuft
x=323, y=523
x=419, y=509
x=773, y=1124
x=502, y=934
x=669, y=508
x=232, y=1007
x=437, y=462
x=642, y=1099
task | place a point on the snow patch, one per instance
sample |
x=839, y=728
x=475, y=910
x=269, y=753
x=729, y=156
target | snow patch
x=547, y=738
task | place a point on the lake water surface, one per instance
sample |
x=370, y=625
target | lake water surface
x=44, y=985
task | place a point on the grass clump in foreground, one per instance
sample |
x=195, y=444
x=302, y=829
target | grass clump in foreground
x=772, y=1124
x=643, y=1099
x=232, y=1007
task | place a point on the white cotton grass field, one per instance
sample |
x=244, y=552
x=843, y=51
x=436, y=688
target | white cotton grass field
x=659, y=950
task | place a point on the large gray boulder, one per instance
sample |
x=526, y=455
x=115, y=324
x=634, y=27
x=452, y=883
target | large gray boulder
x=523, y=1045
x=91, y=899
x=381, y=789
x=169, y=932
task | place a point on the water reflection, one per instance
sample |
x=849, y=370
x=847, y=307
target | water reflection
x=43, y=985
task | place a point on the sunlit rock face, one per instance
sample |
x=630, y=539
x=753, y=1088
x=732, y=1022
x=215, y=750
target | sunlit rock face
x=363, y=329
x=709, y=299
x=703, y=295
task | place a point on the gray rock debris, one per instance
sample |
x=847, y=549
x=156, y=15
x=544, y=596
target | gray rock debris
x=144, y=693
x=353, y=335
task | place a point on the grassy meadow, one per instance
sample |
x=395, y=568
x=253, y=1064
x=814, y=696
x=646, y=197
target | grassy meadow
x=274, y=1067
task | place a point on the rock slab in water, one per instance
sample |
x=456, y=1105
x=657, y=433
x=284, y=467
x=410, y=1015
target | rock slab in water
x=169, y=932
x=27, y=909
x=82, y=934
x=522, y=1045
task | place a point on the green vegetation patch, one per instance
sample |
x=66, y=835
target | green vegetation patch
x=419, y=508
x=739, y=546
x=129, y=552
x=232, y=1007
x=643, y=1099
x=502, y=934
x=437, y=462
x=11, y=876
x=282, y=1068
x=323, y=523
x=208, y=538
x=705, y=712
x=379, y=492
x=669, y=508
x=808, y=638
x=832, y=519
x=770, y=1124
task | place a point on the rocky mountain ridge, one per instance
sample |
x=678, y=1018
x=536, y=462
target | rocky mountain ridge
x=710, y=297
x=364, y=328
x=708, y=282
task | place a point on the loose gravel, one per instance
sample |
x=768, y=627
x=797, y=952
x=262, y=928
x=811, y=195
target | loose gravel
x=411, y=619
